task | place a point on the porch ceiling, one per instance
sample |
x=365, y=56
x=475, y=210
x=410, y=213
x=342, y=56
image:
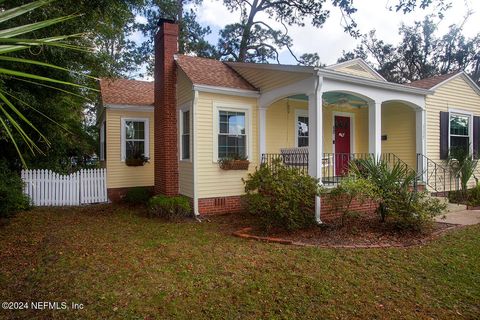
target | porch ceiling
x=335, y=98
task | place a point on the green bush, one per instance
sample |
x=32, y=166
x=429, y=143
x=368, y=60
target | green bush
x=170, y=207
x=397, y=200
x=281, y=198
x=470, y=197
x=137, y=195
x=349, y=189
x=12, y=198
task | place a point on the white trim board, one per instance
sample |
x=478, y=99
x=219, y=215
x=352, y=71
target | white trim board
x=131, y=107
x=227, y=91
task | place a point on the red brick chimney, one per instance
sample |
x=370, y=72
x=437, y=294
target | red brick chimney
x=166, y=155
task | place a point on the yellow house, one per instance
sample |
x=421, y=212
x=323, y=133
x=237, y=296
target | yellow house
x=199, y=111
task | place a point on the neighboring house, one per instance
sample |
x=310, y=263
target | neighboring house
x=201, y=110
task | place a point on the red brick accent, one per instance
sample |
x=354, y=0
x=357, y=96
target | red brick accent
x=220, y=205
x=117, y=194
x=328, y=210
x=166, y=155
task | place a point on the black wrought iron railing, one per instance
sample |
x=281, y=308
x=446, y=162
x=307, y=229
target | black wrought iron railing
x=298, y=161
x=439, y=178
x=335, y=166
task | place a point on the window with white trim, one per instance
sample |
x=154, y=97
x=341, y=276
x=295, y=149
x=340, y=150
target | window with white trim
x=232, y=134
x=460, y=133
x=135, y=138
x=185, y=134
x=302, y=131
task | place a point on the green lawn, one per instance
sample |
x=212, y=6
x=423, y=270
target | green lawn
x=124, y=266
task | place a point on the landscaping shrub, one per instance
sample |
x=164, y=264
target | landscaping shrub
x=282, y=198
x=349, y=189
x=470, y=197
x=393, y=189
x=12, y=198
x=170, y=207
x=137, y=195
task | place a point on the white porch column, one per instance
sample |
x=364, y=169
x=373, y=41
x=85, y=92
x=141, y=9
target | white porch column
x=315, y=139
x=421, y=138
x=262, y=132
x=375, y=128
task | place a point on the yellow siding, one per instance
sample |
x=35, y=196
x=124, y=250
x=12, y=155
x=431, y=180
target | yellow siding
x=185, y=167
x=120, y=175
x=212, y=181
x=281, y=125
x=455, y=94
x=356, y=70
x=398, y=124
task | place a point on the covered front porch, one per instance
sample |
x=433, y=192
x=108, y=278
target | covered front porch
x=345, y=135
x=332, y=115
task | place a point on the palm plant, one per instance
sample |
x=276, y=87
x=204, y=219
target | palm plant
x=462, y=164
x=16, y=39
x=389, y=181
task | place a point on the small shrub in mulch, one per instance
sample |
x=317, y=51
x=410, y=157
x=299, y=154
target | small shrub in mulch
x=172, y=208
x=357, y=231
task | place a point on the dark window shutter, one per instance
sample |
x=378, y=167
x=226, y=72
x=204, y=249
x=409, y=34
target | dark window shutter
x=444, y=118
x=476, y=136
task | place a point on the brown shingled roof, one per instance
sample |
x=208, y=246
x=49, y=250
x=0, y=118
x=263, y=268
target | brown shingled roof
x=123, y=91
x=431, y=82
x=212, y=73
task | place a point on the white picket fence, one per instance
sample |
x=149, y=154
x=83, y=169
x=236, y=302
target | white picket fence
x=47, y=188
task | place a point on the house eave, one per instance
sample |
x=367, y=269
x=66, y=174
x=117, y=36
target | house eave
x=329, y=74
x=227, y=91
x=130, y=107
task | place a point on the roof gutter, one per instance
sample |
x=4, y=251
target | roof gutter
x=227, y=91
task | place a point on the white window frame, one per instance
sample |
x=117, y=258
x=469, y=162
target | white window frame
x=459, y=112
x=232, y=107
x=146, y=121
x=181, y=110
x=301, y=113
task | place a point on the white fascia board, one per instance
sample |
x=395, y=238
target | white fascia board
x=273, y=67
x=330, y=74
x=130, y=107
x=227, y=91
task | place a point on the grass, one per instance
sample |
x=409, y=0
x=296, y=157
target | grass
x=124, y=266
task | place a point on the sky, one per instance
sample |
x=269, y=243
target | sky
x=330, y=40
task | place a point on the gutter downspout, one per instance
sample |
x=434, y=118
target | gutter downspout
x=194, y=151
x=319, y=142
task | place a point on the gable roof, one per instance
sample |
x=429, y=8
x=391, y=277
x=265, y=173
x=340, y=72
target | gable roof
x=127, y=92
x=429, y=83
x=357, y=64
x=209, y=72
x=436, y=81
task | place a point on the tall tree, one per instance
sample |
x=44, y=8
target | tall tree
x=58, y=115
x=421, y=53
x=192, y=34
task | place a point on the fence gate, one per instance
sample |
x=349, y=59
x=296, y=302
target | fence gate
x=47, y=188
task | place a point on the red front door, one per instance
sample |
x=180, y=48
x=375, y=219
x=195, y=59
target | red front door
x=342, y=144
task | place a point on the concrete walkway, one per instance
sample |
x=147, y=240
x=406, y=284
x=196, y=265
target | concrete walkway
x=461, y=217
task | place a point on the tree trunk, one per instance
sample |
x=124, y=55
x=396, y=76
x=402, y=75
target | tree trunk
x=242, y=55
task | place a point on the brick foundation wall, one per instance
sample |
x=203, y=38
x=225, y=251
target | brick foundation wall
x=117, y=194
x=220, y=205
x=165, y=114
x=328, y=208
x=234, y=204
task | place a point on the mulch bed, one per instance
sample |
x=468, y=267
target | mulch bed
x=360, y=232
